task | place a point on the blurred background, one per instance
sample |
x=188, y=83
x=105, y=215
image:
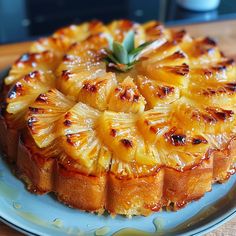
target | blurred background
x=23, y=20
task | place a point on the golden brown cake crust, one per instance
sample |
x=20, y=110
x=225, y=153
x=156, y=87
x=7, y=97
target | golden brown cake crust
x=135, y=196
x=80, y=191
x=183, y=187
x=36, y=170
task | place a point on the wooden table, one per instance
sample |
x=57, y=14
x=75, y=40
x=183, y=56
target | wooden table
x=225, y=34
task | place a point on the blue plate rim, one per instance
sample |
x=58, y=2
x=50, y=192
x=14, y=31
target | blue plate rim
x=206, y=228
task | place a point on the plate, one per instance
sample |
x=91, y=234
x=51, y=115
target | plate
x=43, y=215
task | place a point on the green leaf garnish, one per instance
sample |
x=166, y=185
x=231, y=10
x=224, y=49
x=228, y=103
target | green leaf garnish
x=136, y=51
x=128, y=42
x=120, y=53
x=123, y=56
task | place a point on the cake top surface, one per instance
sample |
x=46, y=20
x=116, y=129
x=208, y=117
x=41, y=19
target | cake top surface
x=123, y=97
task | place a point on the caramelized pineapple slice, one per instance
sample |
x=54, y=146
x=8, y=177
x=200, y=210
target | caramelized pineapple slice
x=204, y=119
x=85, y=153
x=96, y=92
x=74, y=33
x=126, y=98
x=80, y=141
x=202, y=51
x=213, y=123
x=43, y=116
x=119, y=133
x=88, y=50
x=155, y=30
x=118, y=29
x=152, y=124
x=181, y=151
x=218, y=94
x=220, y=72
x=166, y=64
x=73, y=78
x=167, y=50
x=23, y=93
x=78, y=33
x=57, y=45
x=182, y=38
x=30, y=62
x=82, y=62
x=155, y=93
x=84, y=53
x=51, y=151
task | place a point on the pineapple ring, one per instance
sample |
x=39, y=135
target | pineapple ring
x=29, y=62
x=23, y=93
x=43, y=114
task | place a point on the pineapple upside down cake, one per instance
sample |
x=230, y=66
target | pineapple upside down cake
x=124, y=117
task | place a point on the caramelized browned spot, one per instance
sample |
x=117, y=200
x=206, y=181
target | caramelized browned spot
x=16, y=90
x=31, y=122
x=35, y=110
x=155, y=30
x=67, y=57
x=42, y=98
x=207, y=45
x=178, y=36
x=127, y=143
x=113, y=132
x=199, y=140
x=229, y=62
x=228, y=88
x=174, y=138
x=31, y=75
x=209, y=118
x=179, y=70
x=128, y=94
x=178, y=139
x=219, y=67
x=207, y=72
x=220, y=114
x=208, y=92
x=90, y=87
x=69, y=139
x=178, y=55
x=65, y=75
x=231, y=87
x=209, y=41
x=164, y=91
x=67, y=115
x=67, y=123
